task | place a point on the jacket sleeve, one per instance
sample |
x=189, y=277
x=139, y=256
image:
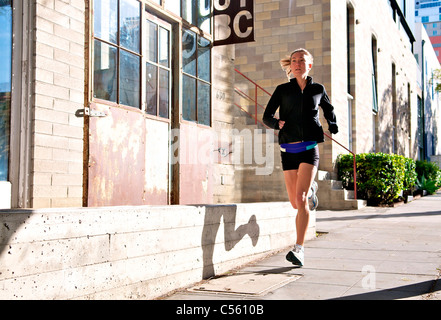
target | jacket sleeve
x=328, y=111
x=270, y=111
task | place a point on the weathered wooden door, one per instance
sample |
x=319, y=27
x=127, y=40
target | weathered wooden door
x=129, y=117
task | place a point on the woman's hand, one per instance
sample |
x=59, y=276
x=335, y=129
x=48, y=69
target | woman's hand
x=333, y=128
x=281, y=124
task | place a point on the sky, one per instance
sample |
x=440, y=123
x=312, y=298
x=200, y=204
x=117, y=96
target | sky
x=5, y=47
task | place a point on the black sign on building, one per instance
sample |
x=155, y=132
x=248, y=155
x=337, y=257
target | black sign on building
x=233, y=21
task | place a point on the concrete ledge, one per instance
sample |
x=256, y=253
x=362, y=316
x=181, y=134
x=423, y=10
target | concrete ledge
x=133, y=252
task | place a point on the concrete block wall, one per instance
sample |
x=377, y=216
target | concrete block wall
x=57, y=157
x=137, y=252
x=241, y=181
x=223, y=122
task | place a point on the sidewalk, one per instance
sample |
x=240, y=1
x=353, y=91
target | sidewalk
x=372, y=253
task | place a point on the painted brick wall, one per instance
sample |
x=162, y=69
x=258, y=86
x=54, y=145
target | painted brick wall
x=57, y=161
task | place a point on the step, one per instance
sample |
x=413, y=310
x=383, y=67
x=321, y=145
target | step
x=332, y=196
x=331, y=184
x=342, y=205
x=326, y=175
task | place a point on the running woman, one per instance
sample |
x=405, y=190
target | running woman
x=298, y=102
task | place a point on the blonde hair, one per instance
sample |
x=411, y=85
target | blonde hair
x=286, y=62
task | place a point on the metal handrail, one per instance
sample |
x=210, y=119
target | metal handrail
x=258, y=121
x=256, y=104
x=355, y=163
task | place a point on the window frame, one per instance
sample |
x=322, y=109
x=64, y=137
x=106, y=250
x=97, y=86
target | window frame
x=198, y=80
x=119, y=48
x=167, y=26
x=177, y=25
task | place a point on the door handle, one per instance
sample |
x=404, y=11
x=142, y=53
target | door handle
x=94, y=113
x=90, y=112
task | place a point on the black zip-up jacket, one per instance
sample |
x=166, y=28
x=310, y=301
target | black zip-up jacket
x=300, y=111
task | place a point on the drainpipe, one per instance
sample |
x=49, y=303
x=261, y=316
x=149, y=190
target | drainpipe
x=423, y=102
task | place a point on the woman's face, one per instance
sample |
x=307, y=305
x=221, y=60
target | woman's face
x=300, y=64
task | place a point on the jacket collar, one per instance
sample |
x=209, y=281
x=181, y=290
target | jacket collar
x=308, y=81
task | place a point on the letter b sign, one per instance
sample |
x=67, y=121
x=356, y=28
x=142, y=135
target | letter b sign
x=233, y=21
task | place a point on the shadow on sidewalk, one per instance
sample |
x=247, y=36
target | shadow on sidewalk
x=411, y=290
x=382, y=215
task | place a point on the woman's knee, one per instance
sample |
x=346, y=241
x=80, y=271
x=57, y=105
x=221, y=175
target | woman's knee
x=302, y=199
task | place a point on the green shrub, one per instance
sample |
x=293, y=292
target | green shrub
x=428, y=185
x=430, y=171
x=410, y=174
x=381, y=177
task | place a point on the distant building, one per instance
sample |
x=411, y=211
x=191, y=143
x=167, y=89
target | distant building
x=428, y=12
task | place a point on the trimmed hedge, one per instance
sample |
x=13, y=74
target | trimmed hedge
x=381, y=178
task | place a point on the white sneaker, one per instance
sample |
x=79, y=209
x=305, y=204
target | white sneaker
x=296, y=256
x=313, y=200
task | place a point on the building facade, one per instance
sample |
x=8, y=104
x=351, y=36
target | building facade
x=111, y=103
x=127, y=102
x=428, y=98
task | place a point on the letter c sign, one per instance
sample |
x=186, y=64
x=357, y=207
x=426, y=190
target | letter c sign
x=233, y=21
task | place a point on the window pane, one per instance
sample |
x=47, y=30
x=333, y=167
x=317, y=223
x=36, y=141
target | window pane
x=5, y=85
x=106, y=20
x=164, y=92
x=204, y=14
x=188, y=98
x=188, y=10
x=104, y=71
x=129, y=93
x=130, y=24
x=152, y=80
x=204, y=59
x=152, y=41
x=204, y=103
x=164, y=47
x=189, y=45
x=173, y=6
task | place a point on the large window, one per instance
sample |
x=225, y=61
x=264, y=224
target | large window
x=117, y=51
x=5, y=84
x=196, y=58
x=196, y=78
x=196, y=12
x=133, y=56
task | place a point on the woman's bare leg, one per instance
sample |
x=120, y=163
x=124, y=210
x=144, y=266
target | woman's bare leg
x=298, y=184
x=291, y=186
x=305, y=177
